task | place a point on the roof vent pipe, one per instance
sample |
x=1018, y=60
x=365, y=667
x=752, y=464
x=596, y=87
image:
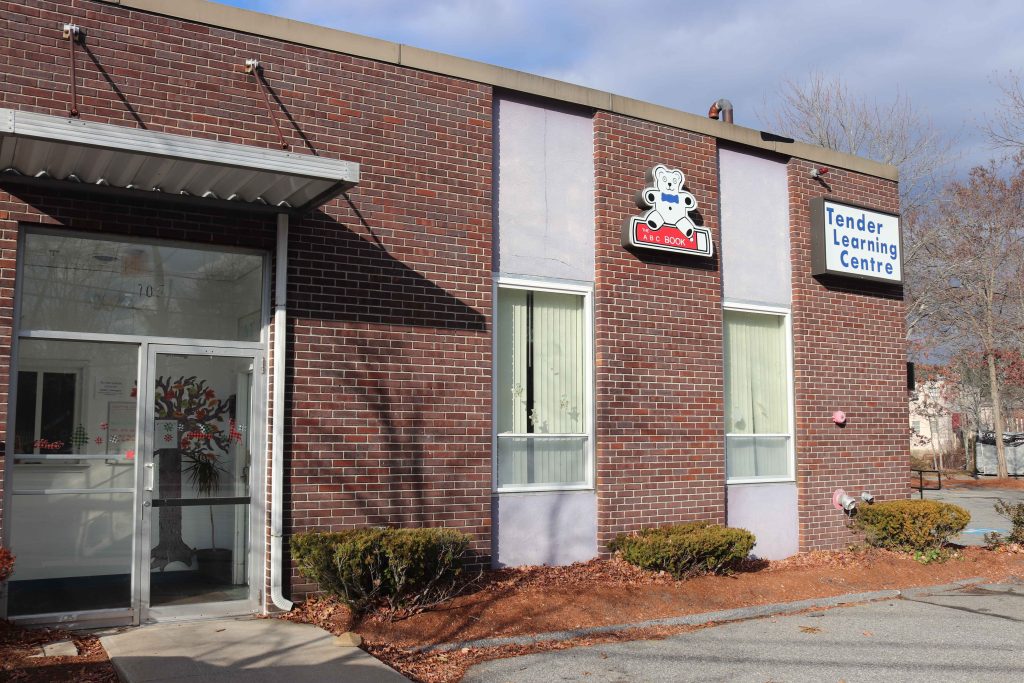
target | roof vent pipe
x=723, y=107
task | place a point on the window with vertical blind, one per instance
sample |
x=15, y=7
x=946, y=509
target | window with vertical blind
x=543, y=389
x=758, y=424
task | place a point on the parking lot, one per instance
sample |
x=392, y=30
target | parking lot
x=979, y=502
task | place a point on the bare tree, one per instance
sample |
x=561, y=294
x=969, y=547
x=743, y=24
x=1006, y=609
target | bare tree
x=822, y=110
x=928, y=404
x=978, y=234
x=1005, y=126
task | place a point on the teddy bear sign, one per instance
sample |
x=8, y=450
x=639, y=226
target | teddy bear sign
x=666, y=223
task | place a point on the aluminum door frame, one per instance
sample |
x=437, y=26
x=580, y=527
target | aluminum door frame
x=143, y=612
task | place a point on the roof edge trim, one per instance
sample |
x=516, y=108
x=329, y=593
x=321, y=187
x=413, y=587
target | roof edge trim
x=335, y=40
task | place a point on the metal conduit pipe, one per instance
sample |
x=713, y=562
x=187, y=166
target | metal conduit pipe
x=721, y=107
x=277, y=436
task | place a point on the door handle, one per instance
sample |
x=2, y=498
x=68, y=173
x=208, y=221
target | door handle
x=147, y=483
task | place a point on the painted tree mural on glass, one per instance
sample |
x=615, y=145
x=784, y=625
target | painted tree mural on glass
x=196, y=448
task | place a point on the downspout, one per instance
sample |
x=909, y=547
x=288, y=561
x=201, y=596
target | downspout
x=277, y=436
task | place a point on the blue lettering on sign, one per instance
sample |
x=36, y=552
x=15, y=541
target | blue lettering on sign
x=870, y=265
x=860, y=241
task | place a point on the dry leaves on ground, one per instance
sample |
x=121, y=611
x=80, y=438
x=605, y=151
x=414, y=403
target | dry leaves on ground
x=609, y=592
x=17, y=664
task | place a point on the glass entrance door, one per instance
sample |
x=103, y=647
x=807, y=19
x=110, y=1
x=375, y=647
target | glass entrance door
x=129, y=439
x=197, y=481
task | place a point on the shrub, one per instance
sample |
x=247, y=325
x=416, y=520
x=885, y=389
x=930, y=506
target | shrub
x=1013, y=512
x=6, y=564
x=685, y=550
x=910, y=525
x=408, y=570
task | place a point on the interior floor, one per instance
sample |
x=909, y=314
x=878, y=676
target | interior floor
x=84, y=593
x=190, y=588
x=71, y=594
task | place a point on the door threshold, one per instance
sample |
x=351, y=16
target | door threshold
x=201, y=612
x=75, y=621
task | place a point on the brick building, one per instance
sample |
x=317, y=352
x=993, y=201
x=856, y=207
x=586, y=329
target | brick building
x=359, y=283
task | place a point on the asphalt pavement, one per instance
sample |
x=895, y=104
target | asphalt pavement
x=973, y=634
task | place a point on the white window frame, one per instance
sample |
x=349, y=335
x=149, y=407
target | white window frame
x=787, y=315
x=556, y=287
x=41, y=367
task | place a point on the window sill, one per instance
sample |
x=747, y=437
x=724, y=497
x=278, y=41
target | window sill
x=544, y=488
x=761, y=480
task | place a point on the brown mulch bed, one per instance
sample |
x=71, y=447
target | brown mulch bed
x=534, y=600
x=18, y=644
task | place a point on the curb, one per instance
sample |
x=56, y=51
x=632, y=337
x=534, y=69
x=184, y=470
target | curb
x=701, y=619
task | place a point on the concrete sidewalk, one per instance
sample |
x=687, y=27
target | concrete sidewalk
x=249, y=650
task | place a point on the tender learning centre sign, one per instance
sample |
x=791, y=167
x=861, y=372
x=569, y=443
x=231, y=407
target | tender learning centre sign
x=854, y=241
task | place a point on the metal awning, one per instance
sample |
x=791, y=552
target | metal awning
x=39, y=148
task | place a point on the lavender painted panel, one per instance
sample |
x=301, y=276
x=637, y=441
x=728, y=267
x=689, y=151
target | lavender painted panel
x=545, y=528
x=545, y=191
x=755, y=229
x=768, y=511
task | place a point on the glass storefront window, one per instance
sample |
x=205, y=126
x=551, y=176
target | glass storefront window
x=77, y=284
x=73, y=476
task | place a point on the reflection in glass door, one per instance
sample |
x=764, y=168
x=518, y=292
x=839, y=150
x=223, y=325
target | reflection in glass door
x=197, y=477
x=101, y=318
x=73, y=477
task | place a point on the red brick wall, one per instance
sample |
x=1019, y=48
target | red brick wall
x=660, y=439
x=389, y=376
x=389, y=395
x=849, y=355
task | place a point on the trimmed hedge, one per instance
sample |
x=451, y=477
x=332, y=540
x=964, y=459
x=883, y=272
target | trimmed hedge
x=910, y=525
x=406, y=569
x=685, y=550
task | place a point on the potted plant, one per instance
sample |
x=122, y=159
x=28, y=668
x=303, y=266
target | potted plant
x=203, y=471
x=196, y=451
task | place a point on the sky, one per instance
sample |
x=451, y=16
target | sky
x=946, y=57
